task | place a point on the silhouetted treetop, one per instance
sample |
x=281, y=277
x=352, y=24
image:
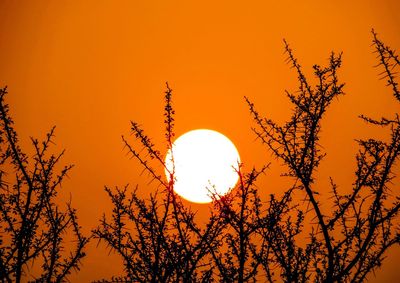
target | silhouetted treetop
x=287, y=237
x=33, y=226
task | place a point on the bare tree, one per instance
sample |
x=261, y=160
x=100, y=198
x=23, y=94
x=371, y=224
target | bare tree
x=282, y=239
x=240, y=246
x=32, y=224
x=158, y=238
x=349, y=243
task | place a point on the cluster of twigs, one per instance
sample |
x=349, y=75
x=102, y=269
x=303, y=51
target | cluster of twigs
x=157, y=238
x=245, y=239
x=32, y=225
x=160, y=239
x=349, y=243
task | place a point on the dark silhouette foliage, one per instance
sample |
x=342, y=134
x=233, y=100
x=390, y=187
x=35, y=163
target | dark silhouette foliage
x=157, y=238
x=32, y=225
x=281, y=239
x=349, y=243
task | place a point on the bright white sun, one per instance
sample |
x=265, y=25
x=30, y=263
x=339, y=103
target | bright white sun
x=205, y=162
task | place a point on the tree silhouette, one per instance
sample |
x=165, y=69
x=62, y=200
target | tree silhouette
x=157, y=238
x=240, y=245
x=351, y=242
x=282, y=239
x=32, y=225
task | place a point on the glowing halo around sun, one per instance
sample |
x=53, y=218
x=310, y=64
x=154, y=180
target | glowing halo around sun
x=205, y=161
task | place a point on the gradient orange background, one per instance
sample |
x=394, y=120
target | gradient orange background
x=89, y=67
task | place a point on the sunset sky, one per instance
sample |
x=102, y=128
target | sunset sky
x=90, y=67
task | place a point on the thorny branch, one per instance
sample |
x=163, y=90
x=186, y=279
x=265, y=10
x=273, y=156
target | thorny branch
x=32, y=225
x=360, y=230
x=281, y=239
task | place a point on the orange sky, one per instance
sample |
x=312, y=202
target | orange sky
x=89, y=67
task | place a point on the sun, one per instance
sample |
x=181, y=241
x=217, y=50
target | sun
x=205, y=162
